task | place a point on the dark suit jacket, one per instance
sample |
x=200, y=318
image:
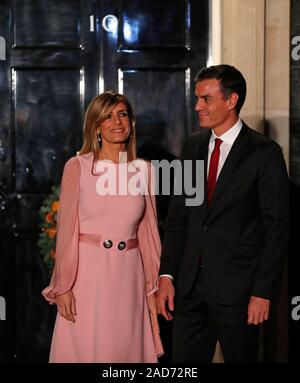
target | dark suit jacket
x=242, y=236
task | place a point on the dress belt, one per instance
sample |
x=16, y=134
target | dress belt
x=97, y=240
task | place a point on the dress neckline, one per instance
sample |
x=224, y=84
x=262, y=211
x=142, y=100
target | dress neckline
x=110, y=162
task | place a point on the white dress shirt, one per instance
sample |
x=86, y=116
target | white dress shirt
x=228, y=139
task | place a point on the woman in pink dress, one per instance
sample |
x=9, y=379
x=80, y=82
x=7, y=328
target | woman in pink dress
x=108, y=247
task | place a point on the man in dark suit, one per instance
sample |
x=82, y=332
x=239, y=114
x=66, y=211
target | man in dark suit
x=225, y=256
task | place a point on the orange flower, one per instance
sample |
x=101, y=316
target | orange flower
x=49, y=217
x=51, y=232
x=52, y=254
x=55, y=206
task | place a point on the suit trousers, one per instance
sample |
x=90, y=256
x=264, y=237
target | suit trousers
x=199, y=323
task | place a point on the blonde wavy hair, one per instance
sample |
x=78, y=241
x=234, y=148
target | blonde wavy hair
x=96, y=113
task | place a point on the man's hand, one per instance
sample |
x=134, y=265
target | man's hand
x=258, y=310
x=166, y=293
x=66, y=305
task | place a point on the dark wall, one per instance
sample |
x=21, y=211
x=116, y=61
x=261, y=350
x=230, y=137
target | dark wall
x=295, y=95
x=57, y=59
x=295, y=171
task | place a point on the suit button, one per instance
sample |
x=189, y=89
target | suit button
x=204, y=228
x=107, y=243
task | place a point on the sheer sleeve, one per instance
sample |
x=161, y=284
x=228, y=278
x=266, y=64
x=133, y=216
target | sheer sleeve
x=148, y=236
x=150, y=248
x=66, y=260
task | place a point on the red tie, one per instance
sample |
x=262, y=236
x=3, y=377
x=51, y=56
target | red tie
x=213, y=169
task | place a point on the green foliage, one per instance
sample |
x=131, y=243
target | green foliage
x=47, y=235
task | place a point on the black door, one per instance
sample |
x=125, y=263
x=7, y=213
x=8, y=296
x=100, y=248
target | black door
x=58, y=55
x=151, y=51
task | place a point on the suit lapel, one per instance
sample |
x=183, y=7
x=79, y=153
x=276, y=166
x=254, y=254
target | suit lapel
x=238, y=151
x=202, y=154
x=202, y=150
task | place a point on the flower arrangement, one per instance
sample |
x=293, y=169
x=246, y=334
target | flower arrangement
x=47, y=236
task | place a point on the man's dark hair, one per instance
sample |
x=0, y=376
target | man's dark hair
x=231, y=81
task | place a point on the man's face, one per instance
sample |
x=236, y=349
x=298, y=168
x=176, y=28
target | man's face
x=212, y=107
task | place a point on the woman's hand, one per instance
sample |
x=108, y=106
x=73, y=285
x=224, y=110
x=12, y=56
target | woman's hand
x=66, y=305
x=151, y=299
x=165, y=297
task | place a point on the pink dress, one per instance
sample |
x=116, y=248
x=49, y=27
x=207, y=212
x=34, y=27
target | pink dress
x=110, y=285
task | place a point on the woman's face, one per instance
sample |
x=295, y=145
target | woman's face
x=116, y=128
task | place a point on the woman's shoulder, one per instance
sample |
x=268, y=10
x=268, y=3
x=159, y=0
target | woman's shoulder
x=85, y=157
x=72, y=164
x=79, y=158
x=75, y=161
x=142, y=159
x=142, y=162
